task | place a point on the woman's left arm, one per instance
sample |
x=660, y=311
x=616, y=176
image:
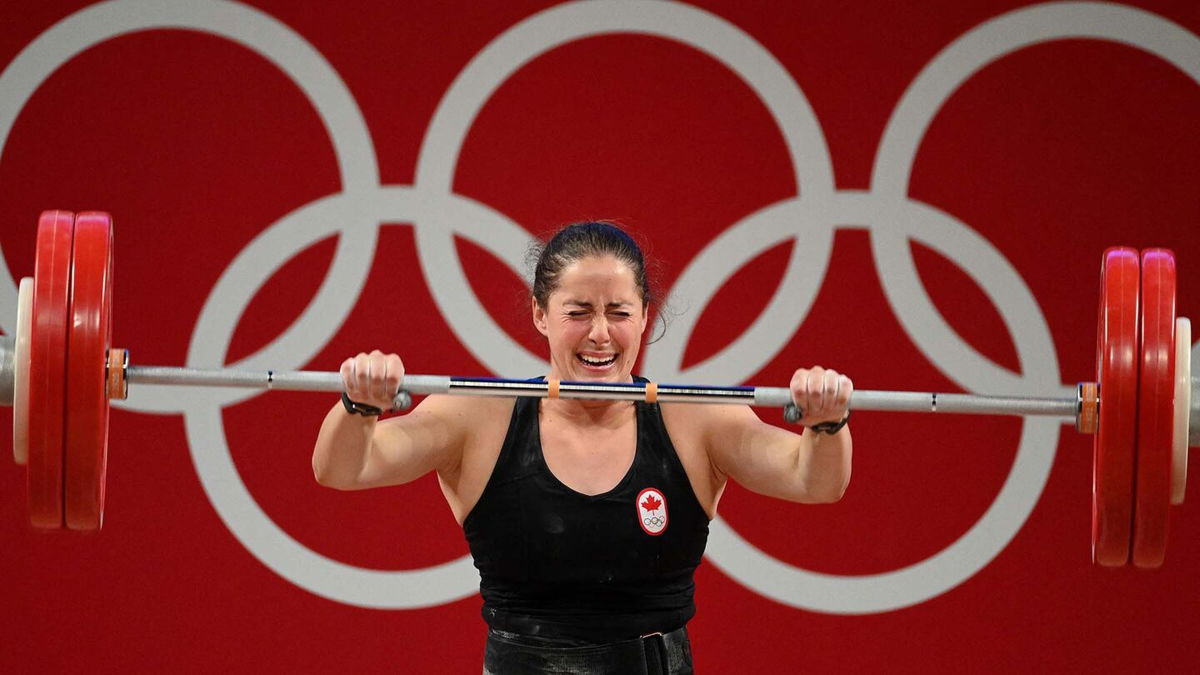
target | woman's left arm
x=811, y=467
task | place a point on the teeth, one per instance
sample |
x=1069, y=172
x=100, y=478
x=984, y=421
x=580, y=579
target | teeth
x=596, y=362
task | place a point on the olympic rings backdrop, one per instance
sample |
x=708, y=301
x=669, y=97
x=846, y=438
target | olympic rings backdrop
x=916, y=194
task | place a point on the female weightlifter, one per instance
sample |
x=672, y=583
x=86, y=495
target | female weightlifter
x=586, y=519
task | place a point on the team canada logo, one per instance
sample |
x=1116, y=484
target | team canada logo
x=652, y=511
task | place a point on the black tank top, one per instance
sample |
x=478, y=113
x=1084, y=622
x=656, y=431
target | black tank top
x=556, y=563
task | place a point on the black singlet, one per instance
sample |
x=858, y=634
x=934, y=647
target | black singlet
x=556, y=563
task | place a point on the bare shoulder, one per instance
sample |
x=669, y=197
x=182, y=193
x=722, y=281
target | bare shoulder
x=684, y=423
x=484, y=421
x=701, y=423
x=465, y=417
x=487, y=416
x=691, y=428
x=718, y=432
x=459, y=410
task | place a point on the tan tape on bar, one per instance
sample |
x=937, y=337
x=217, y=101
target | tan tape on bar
x=552, y=388
x=651, y=392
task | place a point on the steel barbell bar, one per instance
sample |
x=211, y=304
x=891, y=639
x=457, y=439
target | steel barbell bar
x=777, y=397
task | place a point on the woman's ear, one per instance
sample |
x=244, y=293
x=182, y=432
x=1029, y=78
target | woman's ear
x=539, y=316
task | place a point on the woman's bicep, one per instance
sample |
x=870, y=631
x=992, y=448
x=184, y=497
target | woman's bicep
x=758, y=456
x=429, y=438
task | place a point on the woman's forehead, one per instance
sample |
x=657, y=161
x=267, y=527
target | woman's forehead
x=598, y=271
x=598, y=281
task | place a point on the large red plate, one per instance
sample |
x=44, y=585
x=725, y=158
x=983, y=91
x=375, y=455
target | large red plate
x=47, y=367
x=87, y=379
x=1156, y=408
x=1117, y=375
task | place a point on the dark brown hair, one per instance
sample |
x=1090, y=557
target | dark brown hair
x=583, y=240
x=577, y=241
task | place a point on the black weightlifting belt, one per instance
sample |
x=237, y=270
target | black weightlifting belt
x=654, y=654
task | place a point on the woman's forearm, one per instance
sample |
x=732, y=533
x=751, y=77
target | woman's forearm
x=826, y=464
x=342, y=448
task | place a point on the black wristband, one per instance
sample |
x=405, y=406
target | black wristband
x=831, y=428
x=356, y=408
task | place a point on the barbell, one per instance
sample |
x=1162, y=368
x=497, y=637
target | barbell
x=59, y=372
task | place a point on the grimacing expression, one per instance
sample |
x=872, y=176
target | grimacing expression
x=593, y=321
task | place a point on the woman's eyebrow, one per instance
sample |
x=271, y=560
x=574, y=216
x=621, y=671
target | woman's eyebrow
x=585, y=303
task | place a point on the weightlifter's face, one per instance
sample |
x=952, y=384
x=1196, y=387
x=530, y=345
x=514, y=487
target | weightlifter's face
x=593, y=321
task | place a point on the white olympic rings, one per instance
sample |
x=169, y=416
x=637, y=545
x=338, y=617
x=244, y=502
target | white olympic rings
x=890, y=215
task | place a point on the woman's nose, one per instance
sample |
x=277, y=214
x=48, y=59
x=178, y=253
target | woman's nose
x=599, y=333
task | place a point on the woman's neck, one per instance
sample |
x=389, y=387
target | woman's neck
x=589, y=413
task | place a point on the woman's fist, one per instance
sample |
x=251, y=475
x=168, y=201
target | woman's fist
x=822, y=395
x=373, y=379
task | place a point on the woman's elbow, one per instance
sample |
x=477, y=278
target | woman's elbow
x=326, y=477
x=321, y=475
x=836, y=495
x=828, y=492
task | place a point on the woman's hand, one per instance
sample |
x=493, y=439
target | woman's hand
x=822, y=395
x=373, y=379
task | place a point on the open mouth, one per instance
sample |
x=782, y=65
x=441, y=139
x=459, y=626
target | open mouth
x=596, y=361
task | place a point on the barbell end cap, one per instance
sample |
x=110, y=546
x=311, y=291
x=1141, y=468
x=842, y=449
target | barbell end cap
x=402, y=401
x=792, y=413
x=8, y=369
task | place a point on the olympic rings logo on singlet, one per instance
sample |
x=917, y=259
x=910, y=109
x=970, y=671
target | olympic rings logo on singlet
x=652, y=511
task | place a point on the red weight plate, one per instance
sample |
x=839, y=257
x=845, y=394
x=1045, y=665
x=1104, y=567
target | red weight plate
x=1117, y=375
x=47, y=367
x=87, y=378
x=1156, y=408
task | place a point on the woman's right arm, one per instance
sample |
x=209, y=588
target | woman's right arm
x=354, y=452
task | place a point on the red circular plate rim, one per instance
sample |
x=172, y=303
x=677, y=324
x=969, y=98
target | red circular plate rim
x=1156, y=409
x=1116, y=363
x=47, y=358
x=87, y=382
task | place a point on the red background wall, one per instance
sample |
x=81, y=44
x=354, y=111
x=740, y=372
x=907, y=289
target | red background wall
x=198, y=146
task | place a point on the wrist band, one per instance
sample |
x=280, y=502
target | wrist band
x=356, y=408
x=831, y=428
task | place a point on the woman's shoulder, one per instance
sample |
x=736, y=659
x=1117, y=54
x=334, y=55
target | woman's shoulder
x=682, y=420
x=469, y=410
x=701, y=420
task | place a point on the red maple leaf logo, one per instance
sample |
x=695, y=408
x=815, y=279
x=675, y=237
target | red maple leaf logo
x=651, y=504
